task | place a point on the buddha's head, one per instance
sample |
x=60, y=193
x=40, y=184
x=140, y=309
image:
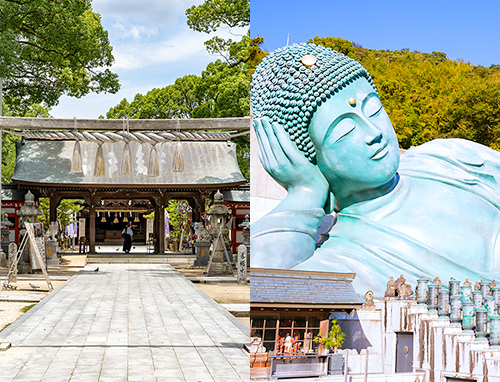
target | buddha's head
x=330, y=108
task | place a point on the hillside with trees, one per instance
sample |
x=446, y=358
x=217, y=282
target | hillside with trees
x=429, y=96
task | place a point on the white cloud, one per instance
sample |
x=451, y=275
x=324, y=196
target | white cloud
x=159, y=12
x=184, y=46
x=152, y=46
x=137, y=32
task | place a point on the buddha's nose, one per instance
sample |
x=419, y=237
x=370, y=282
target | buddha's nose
x=373, y=136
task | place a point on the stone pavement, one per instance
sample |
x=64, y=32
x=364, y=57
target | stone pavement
x=126, y=322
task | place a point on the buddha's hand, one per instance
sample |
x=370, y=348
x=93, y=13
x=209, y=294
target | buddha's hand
x=288, y=166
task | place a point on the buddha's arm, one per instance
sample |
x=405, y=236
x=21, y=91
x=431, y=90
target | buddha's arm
x=286, y=236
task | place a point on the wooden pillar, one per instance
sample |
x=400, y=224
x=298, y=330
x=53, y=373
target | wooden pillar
x=156, y=229
x=92, y=204
x=161, y=227
x=197, y=207
x=54, y=199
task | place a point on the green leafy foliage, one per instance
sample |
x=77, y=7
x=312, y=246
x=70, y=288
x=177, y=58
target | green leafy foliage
x=178, y=217
x=65, y=211
x=211, y=15
x=334, y=339
x=50, y=48
x=428, y=96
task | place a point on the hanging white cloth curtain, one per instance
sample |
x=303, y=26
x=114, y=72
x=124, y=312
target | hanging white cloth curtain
x=178, y=162
x=100, y=168
x=76, y=163
x=127, y=154
x=154, y=165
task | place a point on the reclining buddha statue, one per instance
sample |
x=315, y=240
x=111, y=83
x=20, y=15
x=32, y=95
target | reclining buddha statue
x=324, y=136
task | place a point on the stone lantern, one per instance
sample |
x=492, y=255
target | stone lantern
x=6, y=224
x=219, y=213
x=246, y=236
x=29, y=213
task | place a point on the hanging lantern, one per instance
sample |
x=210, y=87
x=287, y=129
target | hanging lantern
x=125, y=218
x=100, y=168
x=103, y=219
x=178, y=163
x=136, y=219
x=154, y=166
x=116, y=219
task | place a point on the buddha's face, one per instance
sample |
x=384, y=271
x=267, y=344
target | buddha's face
x=356, y=146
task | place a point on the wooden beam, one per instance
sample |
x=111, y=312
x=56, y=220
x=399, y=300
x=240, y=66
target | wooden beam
x=24, y=123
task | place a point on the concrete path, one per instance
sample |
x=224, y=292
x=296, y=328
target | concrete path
x=127, y=322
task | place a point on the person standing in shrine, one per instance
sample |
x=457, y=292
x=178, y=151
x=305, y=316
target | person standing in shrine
x=127, y=235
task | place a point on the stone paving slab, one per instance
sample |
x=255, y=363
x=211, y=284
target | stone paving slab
x=21, y=297
x=127, y=322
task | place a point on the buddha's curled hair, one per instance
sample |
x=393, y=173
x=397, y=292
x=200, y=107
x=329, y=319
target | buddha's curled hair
x=287, y=91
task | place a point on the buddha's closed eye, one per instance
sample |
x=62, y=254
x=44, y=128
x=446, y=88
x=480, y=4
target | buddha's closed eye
x=372, y=107
x=342, y=129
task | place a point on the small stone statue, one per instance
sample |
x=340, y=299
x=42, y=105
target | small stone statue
x=405, y=291
x=399, y=282
x=467, y=282
x=493, y=284
x=437, y=281
x=52, y=231
x=369, y=304
x=200, y=232
x=477, y=285
x=391, y=288
x=402, y=289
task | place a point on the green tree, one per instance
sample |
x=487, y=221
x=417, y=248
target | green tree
x=211, y=15
x=341, y=45
x=334, y=339
x=172, y=101
x=65, y=211
x=50, y=48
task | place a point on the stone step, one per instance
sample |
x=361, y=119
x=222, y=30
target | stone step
x=140, y=259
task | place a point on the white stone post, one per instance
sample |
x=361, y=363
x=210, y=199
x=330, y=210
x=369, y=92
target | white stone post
x=242, y=264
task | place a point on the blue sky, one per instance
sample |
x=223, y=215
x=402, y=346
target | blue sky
x=462, y=29
x=152, y=46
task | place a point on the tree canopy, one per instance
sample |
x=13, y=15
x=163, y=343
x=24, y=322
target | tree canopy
x=50, y=48
x=211, y=15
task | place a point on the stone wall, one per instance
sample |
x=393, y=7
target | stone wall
x=441, y=351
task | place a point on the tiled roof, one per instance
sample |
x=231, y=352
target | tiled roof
x=49, y=162
x=302, y=287
x=236, y=195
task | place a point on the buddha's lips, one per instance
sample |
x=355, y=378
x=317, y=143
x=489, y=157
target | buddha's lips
x=380, y=153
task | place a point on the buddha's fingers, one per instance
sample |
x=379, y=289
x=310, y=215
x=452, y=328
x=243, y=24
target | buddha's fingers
x=276, y=148
x=262, y=153
x=294, y=155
